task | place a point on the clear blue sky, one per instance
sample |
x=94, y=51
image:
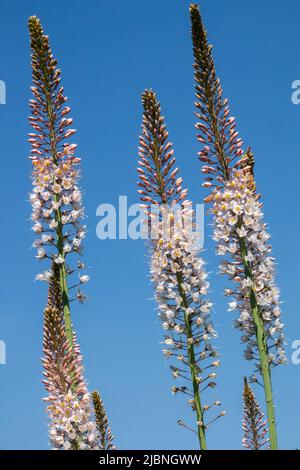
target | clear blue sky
x=109, y=52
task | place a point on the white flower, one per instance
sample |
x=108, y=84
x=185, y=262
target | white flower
x=205, y=308
x=65, y=219
x=53, y=224
x=221, y=250
x=76, y=242
x=52, y=432
x=84, y=278
x=56, y=205
x=167, y=353
x=67, y=445
x=247, y=220
x=67, y=183
x=241, y=232
x=47, y=213
x=247, y=282
x=37, y=243
x=37, y=228
x=37, y=204
x=232, y=248
x=170, y=313
x=237, y=208
x=82, y=232
x=75, y=214
x=44, y=276
x=41, y=253
x=66, y=200
x=174, y=267
x=46, y=195
x=276, y=312
x=249, y=257
x=232, y=305
x=169, y=341
x=56, y=188
x=46, y=238
x=81, y=297
x=176, y=253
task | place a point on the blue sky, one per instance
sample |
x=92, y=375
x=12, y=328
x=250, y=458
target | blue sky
x=109, y=52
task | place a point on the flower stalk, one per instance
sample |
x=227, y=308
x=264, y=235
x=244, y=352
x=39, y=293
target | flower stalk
x=56, y=213
x=239, y=228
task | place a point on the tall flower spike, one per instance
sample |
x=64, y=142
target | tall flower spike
x=216, y=129
x=69, y=409
x=106, y=437
x=56, y=198
x=254, y=423
x=239, y=228
x=177, y=271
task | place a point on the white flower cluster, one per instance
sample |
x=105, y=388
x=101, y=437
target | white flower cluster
x=57, y=210
x=241, y=233
x=71, y=425
x=180, y=289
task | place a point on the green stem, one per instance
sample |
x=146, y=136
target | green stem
x=266, y=373
x=193, y=367
x=262, y=348
x=59, y=228
x=63, y=279
x=66, y=304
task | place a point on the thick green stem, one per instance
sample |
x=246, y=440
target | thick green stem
x=63, y=279
x=262, y=348
x=193, y=368
x=66, y=304
x=265, y=371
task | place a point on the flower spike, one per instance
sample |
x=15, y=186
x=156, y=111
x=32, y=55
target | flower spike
x=56, y=197
x=240, y=231
x=157, y=172
x=57, y=213
x=217, y=130
x=69, y=408
x=106, y=437
x=178, y=273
